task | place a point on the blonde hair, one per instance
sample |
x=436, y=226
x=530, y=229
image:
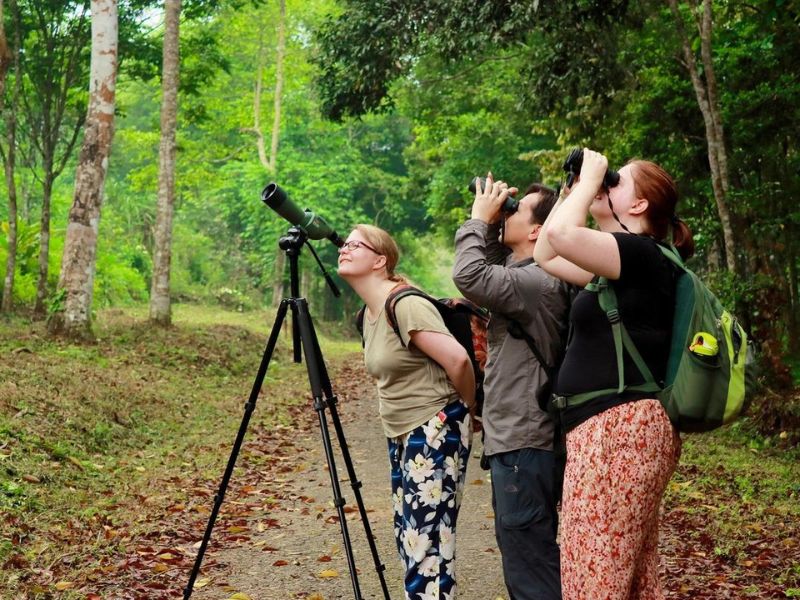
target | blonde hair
x=385, y=245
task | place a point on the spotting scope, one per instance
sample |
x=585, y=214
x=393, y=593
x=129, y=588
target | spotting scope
x=314, y=226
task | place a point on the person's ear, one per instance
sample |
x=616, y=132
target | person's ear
x=380, y=262
x=533, y=235
x=639, y=206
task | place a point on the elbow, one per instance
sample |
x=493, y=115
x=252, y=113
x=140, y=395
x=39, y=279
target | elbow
x=460, y=364
x=464, y=277
x=559, y=238
x=464, y=363
x=469, y=283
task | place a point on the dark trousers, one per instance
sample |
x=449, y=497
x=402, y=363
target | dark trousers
x=526, y=522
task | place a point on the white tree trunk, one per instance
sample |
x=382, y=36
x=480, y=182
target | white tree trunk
x=280, y=54
x=706, y=94
x=279, y=58
x=262, y=150
x=76, y=280
x=160, y=306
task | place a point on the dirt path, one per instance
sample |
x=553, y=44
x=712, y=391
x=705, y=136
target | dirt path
x=299, y=550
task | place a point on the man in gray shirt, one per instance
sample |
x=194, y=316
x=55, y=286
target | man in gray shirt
x=518, y=434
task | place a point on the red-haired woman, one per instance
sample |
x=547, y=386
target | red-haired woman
x=424, y=391
x=621, y=447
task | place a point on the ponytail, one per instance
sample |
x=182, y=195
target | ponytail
x=682, y=238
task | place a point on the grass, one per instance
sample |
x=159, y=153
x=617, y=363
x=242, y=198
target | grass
x=736, y=499
x=95, y=440
x=90, y=434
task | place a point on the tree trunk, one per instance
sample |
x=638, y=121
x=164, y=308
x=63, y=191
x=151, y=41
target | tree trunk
x=260, y=146
x=44, y=239
x=706, y=93
x=279, y=57
x=790, y=244
x=72, y=316
x=280, y=260
x=160, y=306
x=7, y=58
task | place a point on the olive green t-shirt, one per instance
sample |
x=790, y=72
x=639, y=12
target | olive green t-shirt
x=412, y=387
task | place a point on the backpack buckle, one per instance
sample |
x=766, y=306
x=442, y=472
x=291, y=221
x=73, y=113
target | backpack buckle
x=613, y=316
x=559, y=402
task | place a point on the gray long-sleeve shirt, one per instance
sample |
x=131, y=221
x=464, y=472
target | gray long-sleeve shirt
x=485, y=273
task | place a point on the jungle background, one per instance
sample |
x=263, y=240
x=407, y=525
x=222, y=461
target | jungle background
x=140, y=270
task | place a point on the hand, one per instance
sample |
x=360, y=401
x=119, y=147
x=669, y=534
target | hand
x=486, y=206
x=593, y=169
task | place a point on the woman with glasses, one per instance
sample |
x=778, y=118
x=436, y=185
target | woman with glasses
x=426, y=387
x=621, y=447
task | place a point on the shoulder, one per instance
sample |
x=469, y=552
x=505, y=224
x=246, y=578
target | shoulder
x=641, y=257
x=415, y=306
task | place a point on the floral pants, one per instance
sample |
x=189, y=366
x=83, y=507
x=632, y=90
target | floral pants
x=428, y=469
x=618, y=466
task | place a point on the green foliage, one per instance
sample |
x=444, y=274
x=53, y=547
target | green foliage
x=501, y=86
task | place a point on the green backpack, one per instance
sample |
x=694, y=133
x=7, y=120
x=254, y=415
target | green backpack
x=710, y=361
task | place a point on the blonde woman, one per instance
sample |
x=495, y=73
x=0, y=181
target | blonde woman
x=425, y=391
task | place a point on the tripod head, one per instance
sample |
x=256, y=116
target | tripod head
x=292, y=241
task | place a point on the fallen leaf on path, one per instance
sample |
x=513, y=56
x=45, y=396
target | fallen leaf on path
x=328, y=573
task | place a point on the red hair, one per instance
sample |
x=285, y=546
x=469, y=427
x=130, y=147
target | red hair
x=655, y=185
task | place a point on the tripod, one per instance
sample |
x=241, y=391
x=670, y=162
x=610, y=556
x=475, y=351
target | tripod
x=303, y=336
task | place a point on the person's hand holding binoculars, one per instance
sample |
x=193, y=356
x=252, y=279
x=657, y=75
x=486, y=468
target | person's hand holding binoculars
x=593, y=170
x=488, y=202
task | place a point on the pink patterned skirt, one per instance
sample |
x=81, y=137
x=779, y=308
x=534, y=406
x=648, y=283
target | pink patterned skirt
x=618, y=466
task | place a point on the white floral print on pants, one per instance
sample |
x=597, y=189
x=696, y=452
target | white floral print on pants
x=428, y=469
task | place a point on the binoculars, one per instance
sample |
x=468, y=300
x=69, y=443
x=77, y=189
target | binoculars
x=510, y=205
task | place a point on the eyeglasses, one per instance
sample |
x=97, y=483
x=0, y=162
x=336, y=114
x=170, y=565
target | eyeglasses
x=353, y=244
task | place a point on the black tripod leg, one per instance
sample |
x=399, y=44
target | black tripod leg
x=332, y=401
x=248, y=410
x=316, y=376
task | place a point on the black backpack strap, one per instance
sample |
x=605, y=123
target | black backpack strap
x=394, y=297
x=516, y=331
x=360, y=322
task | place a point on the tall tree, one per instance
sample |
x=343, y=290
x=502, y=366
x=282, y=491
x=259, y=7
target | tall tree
x=72, y=316
x=160, y=306
x=280, y=53
x=55, y=61
x=269, y=162
x=704, y=83
x=7, y=58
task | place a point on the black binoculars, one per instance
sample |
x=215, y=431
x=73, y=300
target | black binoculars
x=510, y=205
x=572, y=167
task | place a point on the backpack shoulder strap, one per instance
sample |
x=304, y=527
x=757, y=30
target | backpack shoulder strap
x=673, y=255
x=360, y=322
x=397, y=294
x=516, y=330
